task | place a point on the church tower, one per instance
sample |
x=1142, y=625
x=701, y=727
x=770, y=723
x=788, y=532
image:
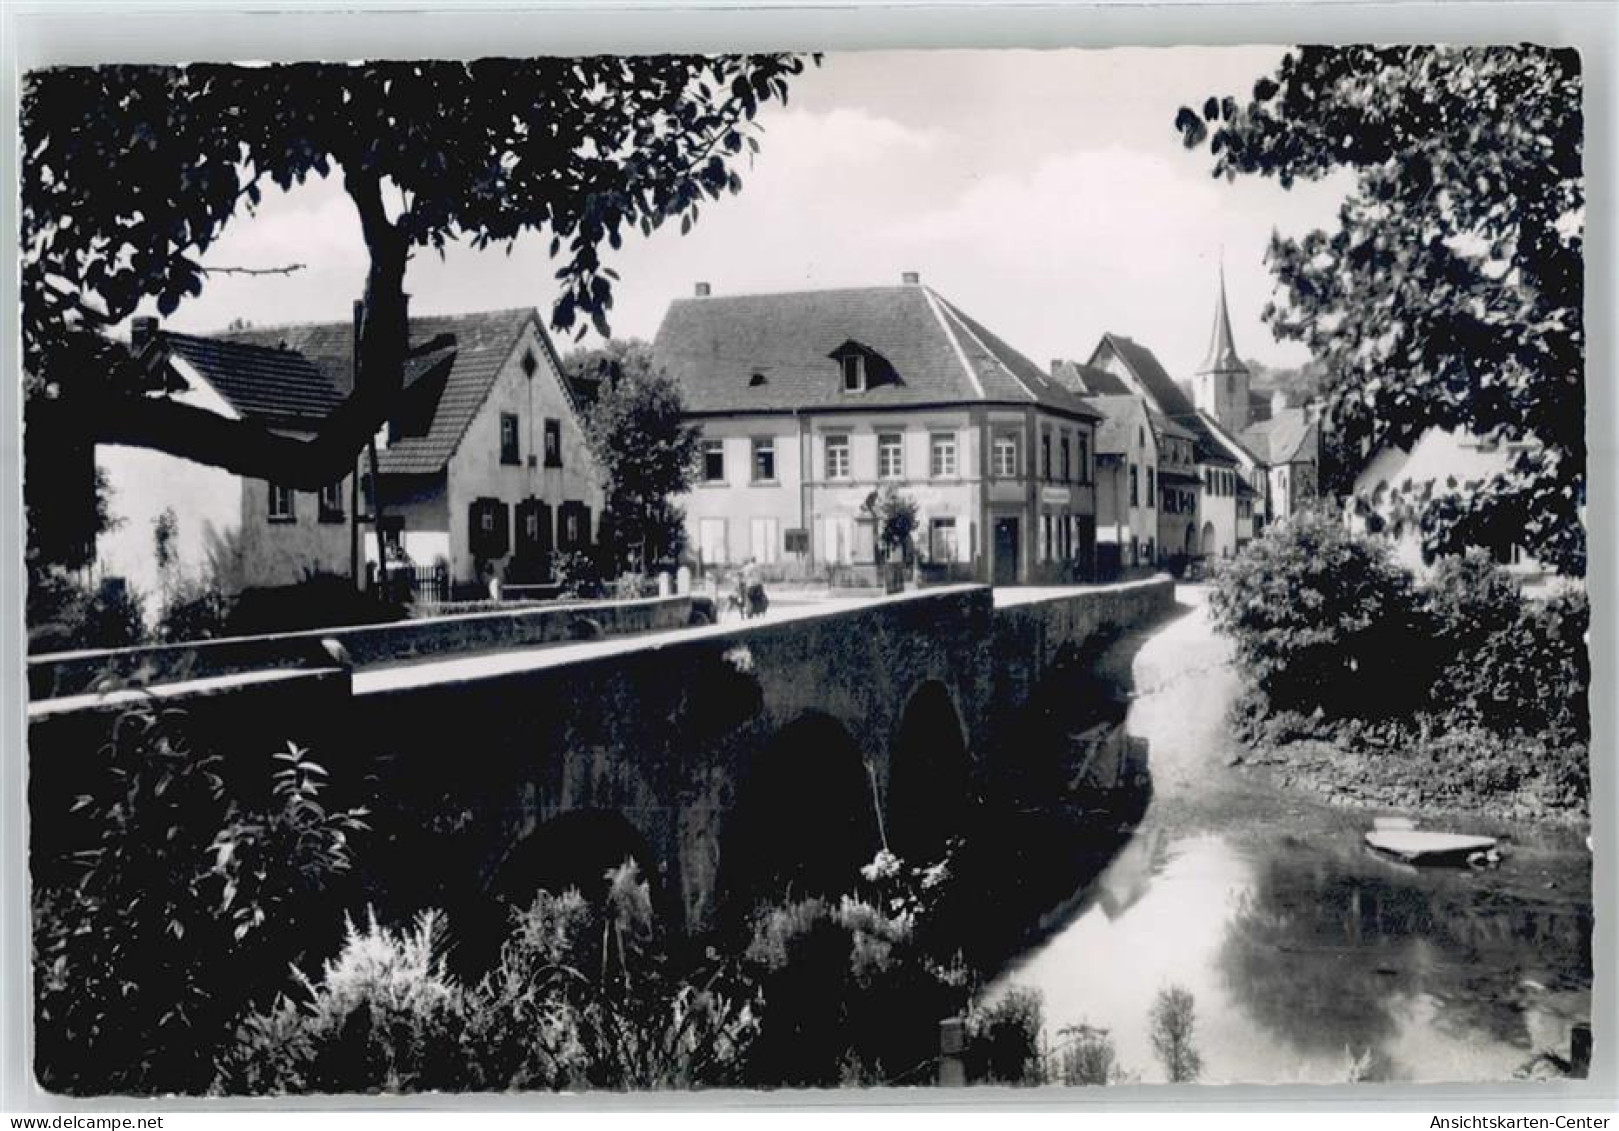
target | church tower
x=1220, y=387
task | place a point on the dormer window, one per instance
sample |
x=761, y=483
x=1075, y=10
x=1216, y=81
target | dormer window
x=854, y=373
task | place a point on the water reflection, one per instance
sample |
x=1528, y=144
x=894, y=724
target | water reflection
x=1315, y=965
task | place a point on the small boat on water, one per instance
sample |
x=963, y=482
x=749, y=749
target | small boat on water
x=1420, y=847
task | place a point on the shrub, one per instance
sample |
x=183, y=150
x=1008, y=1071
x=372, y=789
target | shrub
x=179, y=916
x=1534, y=674
x=65, y=615
x=848, y=996
x=1087, y=1056
x=1003, y=1038
x=321, y=600
x=1323, y=619
x=384, y=1016
x=194, y=611
x=580, y=574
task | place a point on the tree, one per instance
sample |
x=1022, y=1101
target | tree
x=895, y=514
x=646, y=452
x=130, y=173
x=1450, y=294
x=1173, y=1017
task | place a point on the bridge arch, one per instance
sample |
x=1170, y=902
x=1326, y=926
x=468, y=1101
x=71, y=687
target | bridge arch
x=804, y=822
x=572, y=850
x=929, y=775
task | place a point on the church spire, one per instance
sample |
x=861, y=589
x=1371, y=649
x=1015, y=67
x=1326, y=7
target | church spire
x=1222, y=350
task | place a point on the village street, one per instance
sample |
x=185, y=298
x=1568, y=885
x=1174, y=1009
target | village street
x=1305, y=954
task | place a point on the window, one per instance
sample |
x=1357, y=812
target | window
x=764, y=459
x=1006, y=460
x=1152, y=488
x=508, y=438
x=1045, y=456
x=283, y=507
x=1045, y=537
x=943, y=462
x=331, y=502
x=570, y=528
x=942, y=540
x=529, y=364
x=763, y=532
x=890, y=456
x=837, y=457
x=553, y=443
x=1084, y=457
x=854, y=373
x=1067, y=464
x=1135, y=492
x=713, y=462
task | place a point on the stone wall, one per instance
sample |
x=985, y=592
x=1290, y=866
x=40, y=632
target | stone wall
x=72, y=673
x=711, y=754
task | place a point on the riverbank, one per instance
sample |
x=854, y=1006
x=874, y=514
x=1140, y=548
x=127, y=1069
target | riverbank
x=1451, y=775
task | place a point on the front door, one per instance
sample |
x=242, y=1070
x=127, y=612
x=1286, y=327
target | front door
x=1006, y=551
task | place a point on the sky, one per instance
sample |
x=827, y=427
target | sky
x=1046, y=193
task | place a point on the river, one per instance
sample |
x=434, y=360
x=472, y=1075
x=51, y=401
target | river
x=1305, y=953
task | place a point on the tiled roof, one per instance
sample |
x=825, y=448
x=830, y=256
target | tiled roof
x=1234, y=447
x=444, y=388
x=1089, y=380
x=775, y=352
x=277, y=386
x=1289, y=435
x=1167, y=397
x=1122, y=414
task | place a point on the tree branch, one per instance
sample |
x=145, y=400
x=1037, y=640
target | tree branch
x=287, y=270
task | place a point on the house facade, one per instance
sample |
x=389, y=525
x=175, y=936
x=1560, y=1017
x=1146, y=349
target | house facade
x=1391, y=490
x=812, y=402
x=175, y=520
x=1127, y=461
x=484, y=465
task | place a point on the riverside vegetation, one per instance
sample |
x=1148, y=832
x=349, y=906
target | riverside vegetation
x=212, y=937
x=1459, y=691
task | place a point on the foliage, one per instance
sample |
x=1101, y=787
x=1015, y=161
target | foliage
x=896, y=515
x=66, y=615
x=1451, y=294
x=194, y=610
x=1087, y=1056
x=1532, y=675
x=645, y=451
x=579, y=573
x=847, y=996
x=1315, y=613
x=132, y=172
x=1003, y=1038
x=173, y=920
x=580, y=997
x=1174, y=1016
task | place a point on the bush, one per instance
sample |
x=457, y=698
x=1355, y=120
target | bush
x=322, y=600
x=65, y=615
x=848, y=996
x=1533, y=675
x=1003, y=1039
x=1323, y=620
x=579, y=998
x=180, y=916
x=194, y=611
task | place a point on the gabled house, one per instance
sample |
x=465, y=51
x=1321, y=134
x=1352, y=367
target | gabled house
x=812, y=401
x=484, y=464
x=174, y=519
x=1126, y=484
x=1391, y=490
x=1209, y=528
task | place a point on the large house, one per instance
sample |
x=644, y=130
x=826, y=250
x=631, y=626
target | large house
x=1126, y=484
x=811, y=402
x=483, y=464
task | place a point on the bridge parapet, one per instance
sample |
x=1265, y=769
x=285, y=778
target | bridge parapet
x=721, y=756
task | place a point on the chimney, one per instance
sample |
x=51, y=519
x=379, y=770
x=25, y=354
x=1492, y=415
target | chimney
x=910, y=278
x=142, y=333
x=1056, y=366
x=702, y=290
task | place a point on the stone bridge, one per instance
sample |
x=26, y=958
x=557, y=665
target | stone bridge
x=729, y=759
